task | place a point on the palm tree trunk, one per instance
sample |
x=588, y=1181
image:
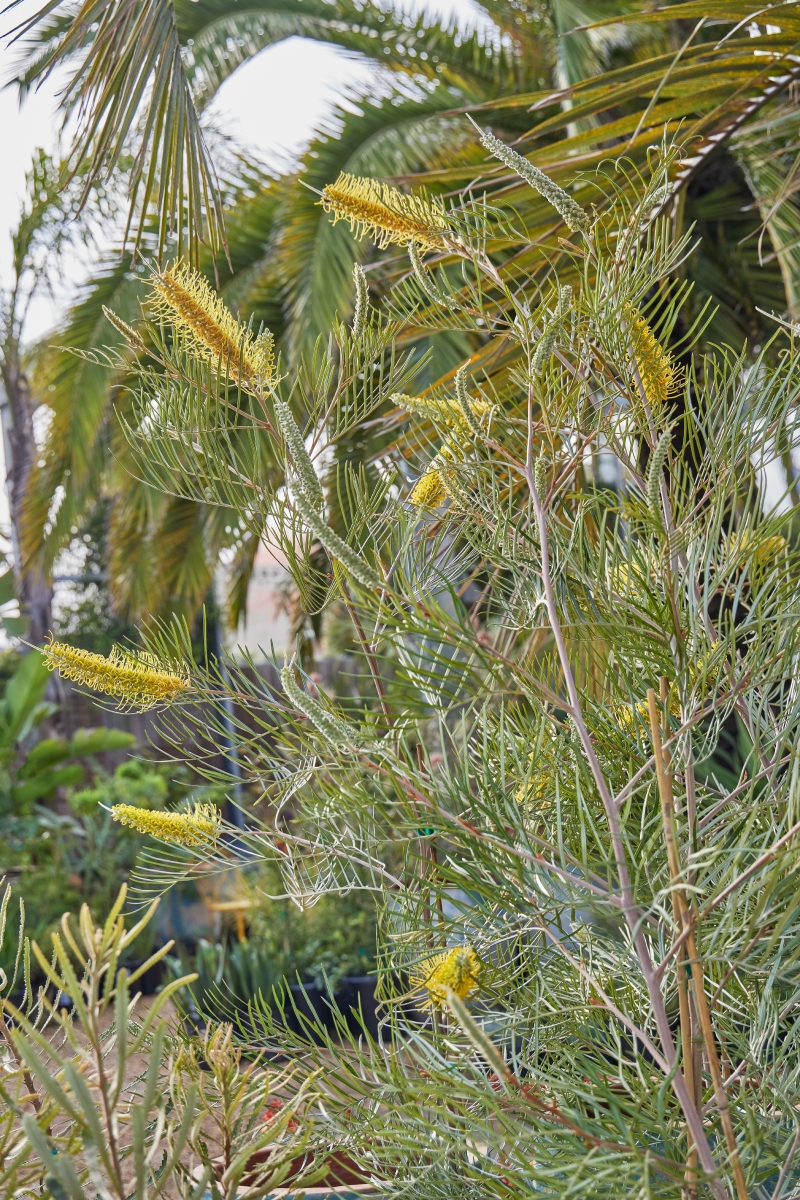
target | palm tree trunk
x=33, y=589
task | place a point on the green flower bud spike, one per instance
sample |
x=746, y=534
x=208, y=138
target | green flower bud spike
x=336, y=547
x=568, y=209
x=307, y=476
x=466, y=403
x=659, y=457
x=426, y=281
x=362, y=303
x=547, y=343
x=333, y=729
x=540, y=478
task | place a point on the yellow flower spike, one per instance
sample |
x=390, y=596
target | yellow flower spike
x=457, y=970
x=138, y=679
x=429, y=490
x=183, y=298
x=657, y=371
x=439, y=482
x=625, y=714
x=448, y=412
x=198, y=827
x=533, y=790
x=628, y=578
x=539, y=780
x=384, y=212
x=748, y=543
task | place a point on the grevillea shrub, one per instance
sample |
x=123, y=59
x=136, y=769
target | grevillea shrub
x=573, y=785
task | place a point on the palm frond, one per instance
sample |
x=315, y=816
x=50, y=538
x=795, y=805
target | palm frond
x=129, y=71
x=220, y=40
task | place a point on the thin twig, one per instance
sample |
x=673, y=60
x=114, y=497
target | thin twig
x=608, y=1003
x=729, y=1082
x=668, y=819
x=763, y=861
x=735, y=966
x=480, y=835
x=668, y=743
x=679, y=941
x=742, y=787
x=787, y=1166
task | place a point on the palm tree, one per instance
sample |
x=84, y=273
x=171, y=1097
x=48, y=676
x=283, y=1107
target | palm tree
x=46, y=228
x=620, y=84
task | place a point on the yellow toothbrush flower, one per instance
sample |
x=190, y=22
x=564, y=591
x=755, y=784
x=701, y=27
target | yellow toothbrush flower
x=538, y=785
x=198, y=827
x=747, y=543
x=429, y=490
x=184, y=299
x=626, y=715
x=446, y=411
x=384, y=212
x=533, y=792
x=657, y=371
x=138, y=680
x=457, y=970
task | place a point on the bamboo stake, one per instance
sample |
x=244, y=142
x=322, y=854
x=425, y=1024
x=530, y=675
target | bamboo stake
x=695, y=964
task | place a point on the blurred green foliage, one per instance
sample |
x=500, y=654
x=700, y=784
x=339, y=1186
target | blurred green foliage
x=336, y=937
x=284, y=946
x=86, y=616
x=59, y=844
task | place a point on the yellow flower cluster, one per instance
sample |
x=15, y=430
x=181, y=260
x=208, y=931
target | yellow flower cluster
x=626, y=714
x=657, y=371
x=138, y=680
x=183, y=298
x=446, y=411
x=198, y=827
x=533, y=791
x=429, y=490
x=456, y=971
x=384, y=212
x=629, y=578
x=747, y=543
x=538, y=784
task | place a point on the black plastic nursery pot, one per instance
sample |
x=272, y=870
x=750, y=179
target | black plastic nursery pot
x=357, y=996
x=312, y=1003
x=309, y=1003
